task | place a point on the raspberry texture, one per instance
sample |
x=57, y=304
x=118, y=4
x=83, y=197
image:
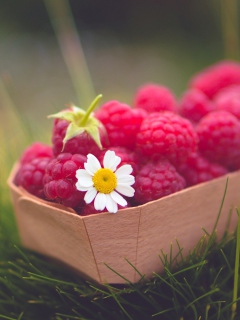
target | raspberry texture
x=88, y=209
x=229, y=100
x=155, y=98
x=155, y=180
x=198, y=169
x=127, y=157
x=219, y=138
x=216, y=77
x=121, y=122
x=36, y=150
x=233, y=88
x=194, y=104
x=59, y=180
x=30, y=175
x=166, y=135
x=81, y=144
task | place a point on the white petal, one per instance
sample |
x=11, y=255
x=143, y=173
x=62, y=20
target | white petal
x=111, y=205
x=88, y=168
x=90, y=195
x=93, y=163
x=123, y=170
x=80, y=187
x=125, y=189
x=126, y=179
x=79, y=173
x=100, y=201
x=110, y=160
x=118, y=198
x=107, y=160
x=84, y=178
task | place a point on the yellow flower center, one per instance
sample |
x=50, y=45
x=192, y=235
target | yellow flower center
x=104, y=180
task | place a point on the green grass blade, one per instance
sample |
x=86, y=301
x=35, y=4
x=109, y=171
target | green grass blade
x=236, y=271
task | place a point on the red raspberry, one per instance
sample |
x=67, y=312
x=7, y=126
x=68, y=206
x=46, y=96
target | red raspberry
x=78, y=131
x=154, y=98
x=81, y=144
x=229, y=100
x=127, y=157
x=155, y=180
x=198, y=169
x=88, y=209
x=59, y=180
x=233, y=89
x=36, y=150
x=166, y=134
x=121, y=122
x=30, y=176
x=219, y=138
x=194, y=104
x=216, y=77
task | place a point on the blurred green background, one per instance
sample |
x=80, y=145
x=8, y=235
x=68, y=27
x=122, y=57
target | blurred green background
x=126, y=43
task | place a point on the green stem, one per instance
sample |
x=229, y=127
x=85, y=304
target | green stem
x=230, y=27
x=63, y=23
x=93, y=105
x=236, y=271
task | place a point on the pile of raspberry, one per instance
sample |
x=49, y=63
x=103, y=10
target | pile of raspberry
x=171, y=143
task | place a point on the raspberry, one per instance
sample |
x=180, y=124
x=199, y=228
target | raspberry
x=227, y=90
x=36, y=150
x=157, y=179
x=78, y=131
x=216, y=77
x=59, y=180
x=81, y=144
x=30, y=175
x=198, y=169
x=229, y=100
x=219, y=138
x=154, y=98
x=127, y=157
x=88, y=209
x=194, y=104
x=121, y=122
x=166, y=134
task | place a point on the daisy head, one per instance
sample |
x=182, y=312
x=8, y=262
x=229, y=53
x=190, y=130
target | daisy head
x=105, y=185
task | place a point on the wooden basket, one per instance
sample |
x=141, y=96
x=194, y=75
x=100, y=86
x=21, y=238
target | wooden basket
x=90, y=243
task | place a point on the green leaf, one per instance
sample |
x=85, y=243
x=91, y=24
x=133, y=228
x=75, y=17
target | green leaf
x=94, y=133
x=81, y=121
x=72, y=131
x=71, y=114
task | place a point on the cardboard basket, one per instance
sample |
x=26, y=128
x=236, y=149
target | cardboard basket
x=89, y=244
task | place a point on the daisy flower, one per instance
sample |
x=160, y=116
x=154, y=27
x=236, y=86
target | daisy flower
x=105, y=185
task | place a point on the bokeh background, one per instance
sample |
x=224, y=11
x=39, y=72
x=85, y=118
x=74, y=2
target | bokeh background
x=125, y=43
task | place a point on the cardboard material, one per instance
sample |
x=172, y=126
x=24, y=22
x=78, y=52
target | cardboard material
x=95, y=244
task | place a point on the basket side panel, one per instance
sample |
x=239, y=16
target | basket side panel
x=15, y=192
x=113, y=238
x=183, y=216
x=56, y=234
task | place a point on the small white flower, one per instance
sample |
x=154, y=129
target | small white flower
x=104, y=185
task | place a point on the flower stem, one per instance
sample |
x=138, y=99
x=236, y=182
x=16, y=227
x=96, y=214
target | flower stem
x=90, y=109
